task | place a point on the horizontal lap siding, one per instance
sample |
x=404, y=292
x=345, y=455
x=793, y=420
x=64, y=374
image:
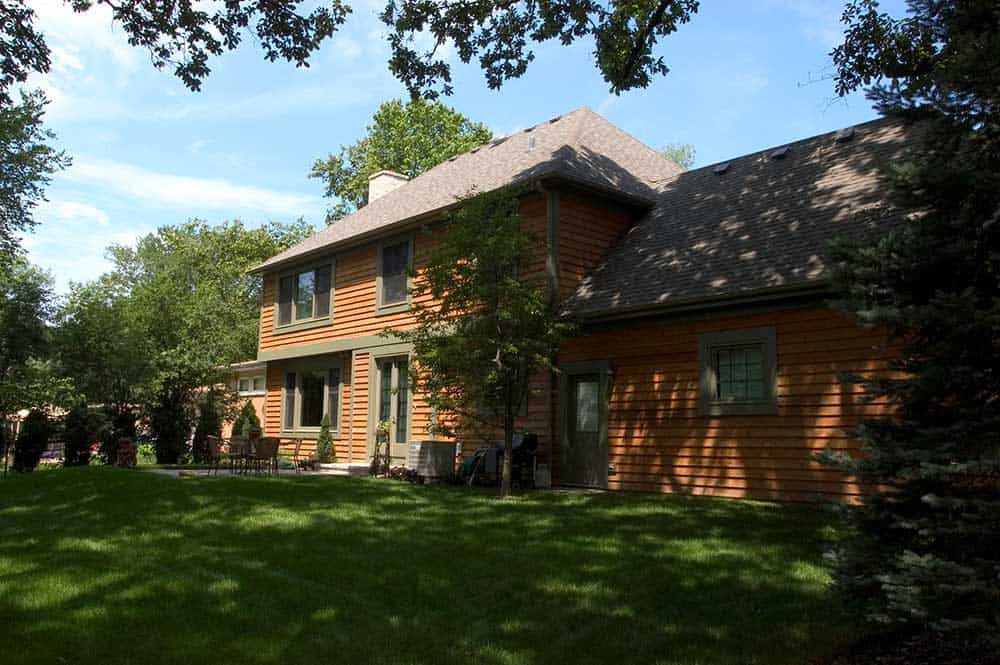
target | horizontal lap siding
x=588, y=228
x=658, y=441
x=358, y=426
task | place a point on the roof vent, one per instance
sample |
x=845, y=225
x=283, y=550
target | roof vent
x=555, y=119
x=495, y=142
x=453, y=158
x=844, y=135
x=780, y=153
x=529, y=129
x=475, y=150
x=721, y=168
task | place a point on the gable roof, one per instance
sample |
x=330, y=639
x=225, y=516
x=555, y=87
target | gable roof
x=762, y=223
x=579, y=146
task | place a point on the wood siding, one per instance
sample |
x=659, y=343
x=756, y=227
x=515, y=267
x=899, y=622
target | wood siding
x=657, y=441
x=588, y=228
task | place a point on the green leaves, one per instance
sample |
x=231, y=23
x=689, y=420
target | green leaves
x=497, y=35
x=407, y=138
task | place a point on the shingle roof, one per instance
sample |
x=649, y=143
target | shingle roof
x=580, y=146
x=763, y=222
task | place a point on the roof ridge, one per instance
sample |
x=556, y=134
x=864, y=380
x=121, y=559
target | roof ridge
x=806, y=139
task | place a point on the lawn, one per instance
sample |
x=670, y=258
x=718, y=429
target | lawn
x=101, y=565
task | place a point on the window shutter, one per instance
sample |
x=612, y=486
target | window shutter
x=333, y=400
x=285, y=286
x=323, y=291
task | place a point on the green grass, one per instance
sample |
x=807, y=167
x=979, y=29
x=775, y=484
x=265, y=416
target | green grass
x=101, y=565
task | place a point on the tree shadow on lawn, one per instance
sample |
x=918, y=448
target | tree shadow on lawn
x=110, y=566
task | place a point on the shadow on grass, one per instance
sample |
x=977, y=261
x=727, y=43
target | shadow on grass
x=111, y=566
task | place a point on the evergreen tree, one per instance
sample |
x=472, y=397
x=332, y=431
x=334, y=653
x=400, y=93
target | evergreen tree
x=247, y=422
x=80, y=429
x=31, y=441
x=209, y=424
x=927, y=551
x=324, y=444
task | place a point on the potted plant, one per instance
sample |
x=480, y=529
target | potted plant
x=380, y=460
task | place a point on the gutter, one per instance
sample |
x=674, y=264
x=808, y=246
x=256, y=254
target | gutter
x=800, y=293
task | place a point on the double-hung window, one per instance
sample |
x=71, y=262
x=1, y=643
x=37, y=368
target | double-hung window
x=311, y=392
x=738, y=372
x=304, y=296
x=393, y=283
x=250, y=385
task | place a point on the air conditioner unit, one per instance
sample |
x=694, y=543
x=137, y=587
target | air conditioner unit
x=431, y=459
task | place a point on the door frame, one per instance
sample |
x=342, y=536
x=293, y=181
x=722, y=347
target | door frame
x=375, y=356
x=602, y=368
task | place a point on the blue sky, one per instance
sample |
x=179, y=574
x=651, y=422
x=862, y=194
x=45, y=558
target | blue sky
x=147, y=152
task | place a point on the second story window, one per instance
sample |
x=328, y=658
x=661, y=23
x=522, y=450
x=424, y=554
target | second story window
x=394, y=263
x=304, y=295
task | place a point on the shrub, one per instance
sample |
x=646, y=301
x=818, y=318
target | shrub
x=80, y=429
x=324, y=444
x=117, y=426
x=209, y=424
x=247, y=423
x=31, y=441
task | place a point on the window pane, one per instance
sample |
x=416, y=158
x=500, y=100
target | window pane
x=385, y=390
x=290, y=400
x=313, y=389
x=304, y=291
x=258, y=383
x=739, y=373
x=285, y=287
x=402, y=400
x=395, y=260
x=333, y=385
x=245, y=385
x=323, y=291
x=587, y=406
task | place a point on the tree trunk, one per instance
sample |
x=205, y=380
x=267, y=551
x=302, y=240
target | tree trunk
x=508, y=448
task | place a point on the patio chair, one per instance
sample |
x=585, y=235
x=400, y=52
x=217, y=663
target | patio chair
x=214, y=453
x=300, y=459
x=266, y=454
x=239, y=451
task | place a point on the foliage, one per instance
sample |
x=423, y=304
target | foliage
x=118, y=424
x=325, y=452
x=81, y=428
x=27, y=163
x=590, y=578
x=497, y=35
x=928, y=553
x=681, y=154
x=26, y=306
x=209, y=424
x=31, y=441
x=177, y=33
x=407, y=138
x=146, y=454
x=159, y=327
x=489, y=330
x=247, y=422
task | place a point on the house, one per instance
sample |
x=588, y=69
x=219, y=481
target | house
x=708, y=359
x=247, y=381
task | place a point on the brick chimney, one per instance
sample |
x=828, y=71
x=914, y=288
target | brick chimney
x=383, y=182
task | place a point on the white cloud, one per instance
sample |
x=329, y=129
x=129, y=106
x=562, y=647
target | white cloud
x=191, y=194
x=71, y=212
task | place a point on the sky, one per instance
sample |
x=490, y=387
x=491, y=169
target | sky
x=147, y=152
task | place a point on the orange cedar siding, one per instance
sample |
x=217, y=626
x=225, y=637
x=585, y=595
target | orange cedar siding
x=588, y=228
x=658, y=441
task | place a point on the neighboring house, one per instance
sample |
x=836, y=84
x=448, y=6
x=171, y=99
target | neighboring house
x=248, y=381
x=707, y=362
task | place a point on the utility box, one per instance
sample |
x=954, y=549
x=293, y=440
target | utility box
x=431, y=459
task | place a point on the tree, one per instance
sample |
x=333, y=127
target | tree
x=31, y=441
x=324, y=443
x=25, y=309
x=81, y=428
x=681, y=154
x=209, y=424
x=27, y=162
x=927, y=552
x=247, y=422
x=407, y=138
x=488, y=330
x=177, y=33
x=497, y=35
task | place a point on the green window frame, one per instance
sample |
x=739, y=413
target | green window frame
x=312, y=389
x=304, y=297
x=738, y=372
x=393, y=279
